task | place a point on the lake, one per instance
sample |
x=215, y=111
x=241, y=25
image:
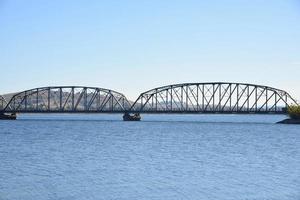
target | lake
x=163, y=157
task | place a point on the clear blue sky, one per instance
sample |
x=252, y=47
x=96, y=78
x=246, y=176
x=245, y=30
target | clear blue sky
x=136, y=45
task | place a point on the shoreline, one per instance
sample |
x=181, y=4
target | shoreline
x=289, y=121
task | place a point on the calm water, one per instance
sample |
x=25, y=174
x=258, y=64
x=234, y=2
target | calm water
x=165, y=157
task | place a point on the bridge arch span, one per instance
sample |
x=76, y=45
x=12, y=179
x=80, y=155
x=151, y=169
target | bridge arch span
x=68, y=99
x=213, y=97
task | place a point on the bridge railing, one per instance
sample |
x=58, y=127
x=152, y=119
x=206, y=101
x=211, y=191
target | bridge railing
x=215, y=97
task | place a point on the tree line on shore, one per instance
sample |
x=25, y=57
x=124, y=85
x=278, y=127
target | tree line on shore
x=294, y=111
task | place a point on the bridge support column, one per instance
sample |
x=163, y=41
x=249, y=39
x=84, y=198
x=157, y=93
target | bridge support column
x=4, y=116
x=134, y=117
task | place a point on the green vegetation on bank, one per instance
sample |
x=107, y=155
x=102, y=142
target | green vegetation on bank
x=294, y=111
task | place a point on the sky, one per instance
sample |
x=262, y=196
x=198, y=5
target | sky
x=135, y=45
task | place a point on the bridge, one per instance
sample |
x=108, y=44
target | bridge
x=66, y=99
x=196, y=98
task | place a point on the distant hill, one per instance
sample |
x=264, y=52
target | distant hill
x=8, y=96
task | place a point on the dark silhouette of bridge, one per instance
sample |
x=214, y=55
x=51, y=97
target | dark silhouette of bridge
x=197, y=98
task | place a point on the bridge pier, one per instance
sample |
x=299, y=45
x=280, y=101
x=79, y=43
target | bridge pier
x=4, y=116
x=134, y=117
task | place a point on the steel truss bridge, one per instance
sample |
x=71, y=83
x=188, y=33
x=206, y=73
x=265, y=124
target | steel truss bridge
x=66, y=99
x=213, y=97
